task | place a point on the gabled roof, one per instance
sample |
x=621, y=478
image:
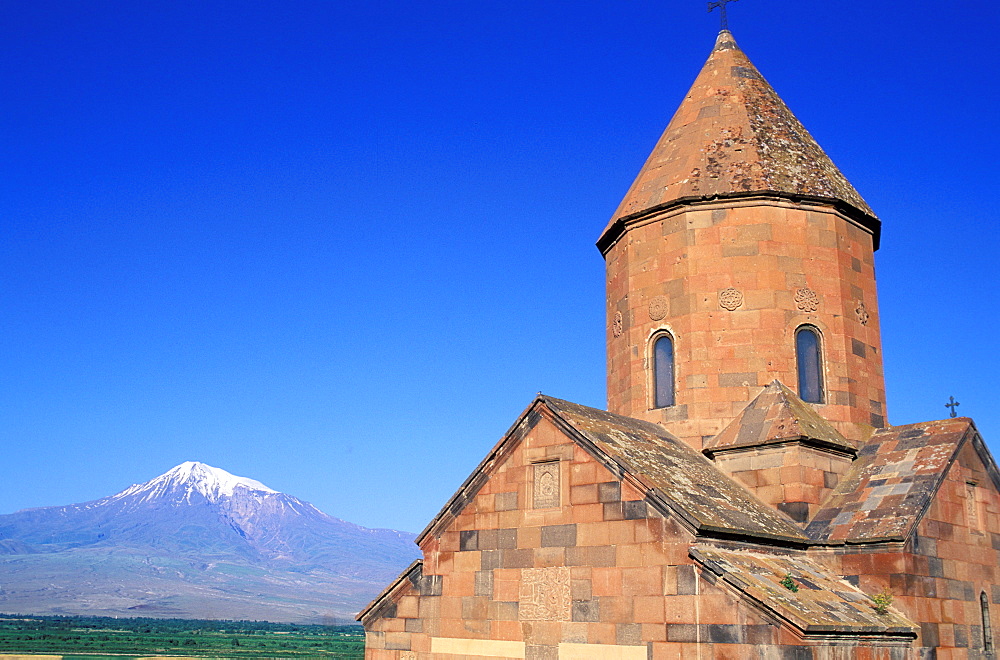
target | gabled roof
x=733, y=136
x=776, y=416
x=881, y=498
x=824, y=604
x=676, y=478
x=676, y=475
x=893, y=480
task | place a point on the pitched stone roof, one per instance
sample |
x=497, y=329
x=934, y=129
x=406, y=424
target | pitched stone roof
x=881, y=498
x=824, y=603
x=892, y=481
x=677, y=476
x=677, y=479
x=732, y=136
x=777, y=415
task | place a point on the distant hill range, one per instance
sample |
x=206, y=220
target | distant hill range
x=200, y=543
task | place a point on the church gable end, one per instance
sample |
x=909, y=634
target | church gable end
x=954, y=555
x=892, y=483
x=534, y=473
x=551, y=548
x=941, y=566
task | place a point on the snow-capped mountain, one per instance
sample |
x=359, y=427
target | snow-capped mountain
x=187, y=480
x=195, y=541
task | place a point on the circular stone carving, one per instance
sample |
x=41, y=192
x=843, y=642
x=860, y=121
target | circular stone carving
x=658, y=308
x=862, y=313
x=806, y=300
x=616, y=325
x=730, y=298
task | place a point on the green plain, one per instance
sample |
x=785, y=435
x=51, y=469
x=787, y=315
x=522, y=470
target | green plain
x=88, y=638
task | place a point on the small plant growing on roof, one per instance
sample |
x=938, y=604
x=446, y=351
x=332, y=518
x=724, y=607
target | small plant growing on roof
x=789, y=583
x=881, y=601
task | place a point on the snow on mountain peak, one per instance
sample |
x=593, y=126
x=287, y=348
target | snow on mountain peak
x=208, y=479
x=192, y=477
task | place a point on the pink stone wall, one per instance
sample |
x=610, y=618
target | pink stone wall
x=768, y=250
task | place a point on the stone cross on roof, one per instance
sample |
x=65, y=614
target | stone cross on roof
x=721, y=4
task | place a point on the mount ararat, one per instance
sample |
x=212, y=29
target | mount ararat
x=195, y=542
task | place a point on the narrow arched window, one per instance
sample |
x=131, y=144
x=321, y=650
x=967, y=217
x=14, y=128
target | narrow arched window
x=809, y=361
x=663, y=371
x=984, y=605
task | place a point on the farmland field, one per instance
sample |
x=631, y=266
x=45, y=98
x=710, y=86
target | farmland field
x=73, y=637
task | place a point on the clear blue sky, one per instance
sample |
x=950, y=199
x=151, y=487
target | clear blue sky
x=339, y=246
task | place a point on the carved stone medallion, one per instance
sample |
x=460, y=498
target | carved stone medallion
x=616, y=324
x=658, y=308
x=730, y=298
x=545, y=594
x=546, y=485
x=862, y=313
x=806, y=300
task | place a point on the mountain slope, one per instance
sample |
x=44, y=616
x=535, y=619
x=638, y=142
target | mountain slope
x=199, y=542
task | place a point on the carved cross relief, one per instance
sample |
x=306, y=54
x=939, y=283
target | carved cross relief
x=545, y=594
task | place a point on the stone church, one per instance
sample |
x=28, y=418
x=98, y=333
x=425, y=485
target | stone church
x=743, y=496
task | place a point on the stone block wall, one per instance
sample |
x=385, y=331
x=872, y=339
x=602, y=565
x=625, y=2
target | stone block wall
x=793, y=478
x=731, y=283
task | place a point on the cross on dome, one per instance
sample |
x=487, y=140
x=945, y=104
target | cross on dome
x=721, y=4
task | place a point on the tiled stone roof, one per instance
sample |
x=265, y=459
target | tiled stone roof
x=678, y=476
x=733, y=135
x=881, y=498
x=778, y=415
x=824, y=603
x=891, y=482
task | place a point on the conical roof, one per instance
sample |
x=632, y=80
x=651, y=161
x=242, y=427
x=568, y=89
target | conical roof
x=778, y=415
x=734, y=136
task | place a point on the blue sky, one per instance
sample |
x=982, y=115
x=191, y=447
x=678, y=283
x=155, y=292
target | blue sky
x=339, y=246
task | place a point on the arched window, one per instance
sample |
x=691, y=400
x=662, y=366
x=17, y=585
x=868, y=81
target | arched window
x=663, y=371
x=809, y=360
x=984, y=606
